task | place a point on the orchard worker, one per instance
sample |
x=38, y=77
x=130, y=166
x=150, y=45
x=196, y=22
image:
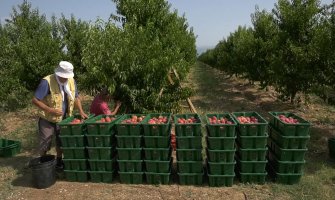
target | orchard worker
x=56, y=96
x=100, y=106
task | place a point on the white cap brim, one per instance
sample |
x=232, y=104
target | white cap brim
x=62, y=73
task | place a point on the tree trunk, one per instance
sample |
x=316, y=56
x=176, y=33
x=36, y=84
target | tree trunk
x=292, y=97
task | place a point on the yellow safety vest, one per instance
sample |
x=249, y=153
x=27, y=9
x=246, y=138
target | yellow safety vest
x=55, y=99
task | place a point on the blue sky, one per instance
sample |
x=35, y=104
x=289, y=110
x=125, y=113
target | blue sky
x=212, y=20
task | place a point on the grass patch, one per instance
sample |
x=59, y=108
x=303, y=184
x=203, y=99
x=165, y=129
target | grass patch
x=319, y=185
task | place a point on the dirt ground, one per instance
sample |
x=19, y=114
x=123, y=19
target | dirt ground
x=64, y=190
x=214, y=93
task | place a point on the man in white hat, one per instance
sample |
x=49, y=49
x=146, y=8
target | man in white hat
x=56, y=96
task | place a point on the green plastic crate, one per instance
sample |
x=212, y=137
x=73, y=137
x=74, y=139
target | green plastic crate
x=189, y=142
x=129, y=153
x=187, y=129
x=220, y=180
x=103, y=153
x=251, y=166
x=161, y=154
x=101, y=177
x=157, y=166
x=289, y=142
x=73, y=140
x=252, y=154
x=221, y=143
x=288, y=179
x=66, y=128
x=9, y=148
x=189, y=154
x=259, y=129
x=76, y=176
x=220, y=155
x=221, y=130
x=221, y=168
x=126, y=141
x=5, y=143
x=253, y=177
x=190, y=166
x=284, y=178
x=157, y=129
x=100, y=140
x=190, y=178
x=157, y=141
x=287, y=154
x=130, y=165
x=101, y=128
x=301, y=129
x=102, y=165
x=252, y=142
x=285, y=167
x=131, y=177
x=157, y=178
x=75, y=164
x=128, y=129
x=74, y=152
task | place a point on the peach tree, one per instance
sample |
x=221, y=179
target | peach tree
x=133, y=53
x=288, y=48
x=29, y=51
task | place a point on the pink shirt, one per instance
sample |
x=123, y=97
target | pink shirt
x=99, y=107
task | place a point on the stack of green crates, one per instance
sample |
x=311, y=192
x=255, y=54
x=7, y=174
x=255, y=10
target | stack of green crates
x=220, y=151
x=157, y=149
x=101, y=148
x=251, y=144
x=73, y=145
x=287, y=147
x=9, y=148
x=129, y=150
x=189, y=150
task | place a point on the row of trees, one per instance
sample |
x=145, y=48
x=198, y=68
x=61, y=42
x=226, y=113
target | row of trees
x=131, y=54
x=290, y=48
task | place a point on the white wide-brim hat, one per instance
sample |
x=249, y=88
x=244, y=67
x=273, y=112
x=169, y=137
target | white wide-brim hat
x=64, y=70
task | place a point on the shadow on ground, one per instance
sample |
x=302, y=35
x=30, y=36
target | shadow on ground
x=317, y=155
x=20, y=165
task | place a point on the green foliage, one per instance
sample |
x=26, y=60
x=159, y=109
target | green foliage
x=208, y=57
x=72, y=34
x=135, y=59
x=242, y=52
x=36, y=52
x=28, y=53
x=265, y=34
x=324, y=43
x=294, y=64
x=132, y=60
x=223, y=54
x=12, y=93
x=232, y=54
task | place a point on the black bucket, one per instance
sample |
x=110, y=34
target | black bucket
x=43, y=171
x=331, y=147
